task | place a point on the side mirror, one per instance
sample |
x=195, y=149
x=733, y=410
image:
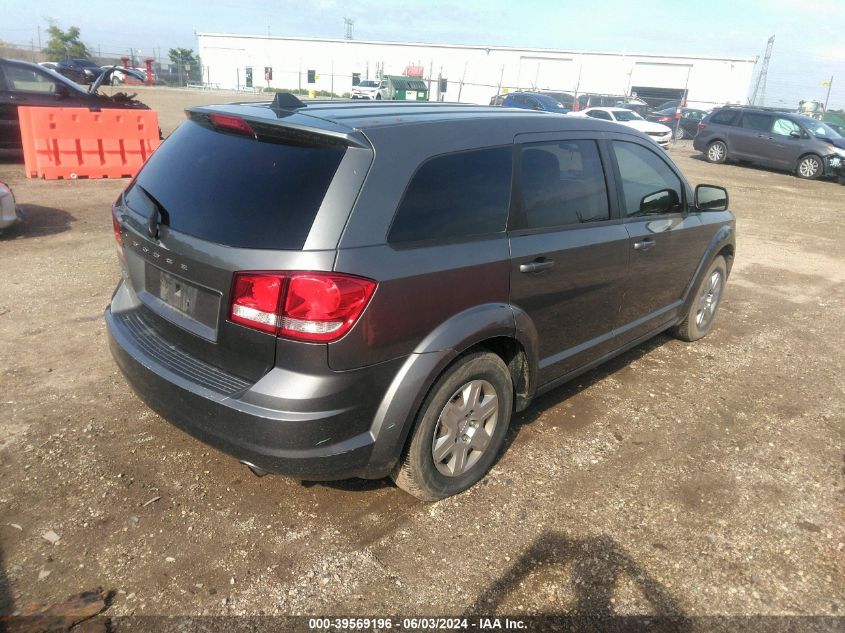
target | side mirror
x=711, y=198
x=795, y=134
x=659, y=202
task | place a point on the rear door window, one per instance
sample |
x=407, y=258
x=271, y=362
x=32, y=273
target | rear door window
x=235, y=190
x=756, y=121
x=562, y=183
x=600, y=114
x=725, y=117
x=456, y=196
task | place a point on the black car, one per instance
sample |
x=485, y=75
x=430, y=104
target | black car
x=26, y=84
x=690, y=118
x=364, y=289
x=82, y=71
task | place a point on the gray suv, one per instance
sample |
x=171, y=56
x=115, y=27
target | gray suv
x=783, y=140
x=369, y=289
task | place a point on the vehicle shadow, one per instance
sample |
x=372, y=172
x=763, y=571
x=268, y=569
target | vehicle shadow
x=767, y=170
x=38, y=221
x=594, y=568
x=575, y=386
x=535, y=410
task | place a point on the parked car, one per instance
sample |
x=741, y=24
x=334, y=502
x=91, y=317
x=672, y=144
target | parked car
x=331, y=293
x=836, y=127
x=9, y=212
x=23, y=83
x=782, y=140
x=529, y=101
x=82, y=71
x=49, y=65
x=566, y=99
x=369, y=89
x=660, y=133
x=690, y=118
x=589, y=100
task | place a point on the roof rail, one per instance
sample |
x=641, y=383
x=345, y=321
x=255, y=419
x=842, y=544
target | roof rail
x=766, y=108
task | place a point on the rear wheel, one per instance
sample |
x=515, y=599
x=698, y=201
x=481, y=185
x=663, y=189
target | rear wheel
x=809, y=167
x=717, y=152
x=681, y=134
x=459, y=430
x=702, y=312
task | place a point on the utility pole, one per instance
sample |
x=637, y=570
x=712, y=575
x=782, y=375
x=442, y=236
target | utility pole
x=827, y=96
x=760, y=86
x=349, y=24
x=501, y=77
x=39, y=37
x=679, y=110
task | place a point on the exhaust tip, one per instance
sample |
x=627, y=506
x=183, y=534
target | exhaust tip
x=258, y=472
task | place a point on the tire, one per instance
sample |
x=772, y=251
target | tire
x=378, y=97
x=809, y=167
x=702, y=312
x=681, y=135
x=472, y=381
x=717, y=152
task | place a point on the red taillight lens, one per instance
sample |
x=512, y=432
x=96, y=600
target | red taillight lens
x=118, y=234
x=231, y=124
x=663, y=119
x=318, y=307
x=701, y=126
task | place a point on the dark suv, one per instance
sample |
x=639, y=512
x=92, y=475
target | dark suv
x=369, y=289
x=771, y=138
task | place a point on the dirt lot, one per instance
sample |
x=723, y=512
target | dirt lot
x=682, y=479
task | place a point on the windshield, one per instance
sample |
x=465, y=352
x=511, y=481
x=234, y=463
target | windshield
x=626, y=115
x=368, y=84
x=818, y=128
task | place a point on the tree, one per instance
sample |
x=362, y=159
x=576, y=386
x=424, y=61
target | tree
x=65, y=45
x=182, y=57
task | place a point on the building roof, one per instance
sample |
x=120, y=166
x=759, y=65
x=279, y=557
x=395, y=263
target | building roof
x=481, y=47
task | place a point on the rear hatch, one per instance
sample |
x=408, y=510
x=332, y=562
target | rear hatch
x=218, y=197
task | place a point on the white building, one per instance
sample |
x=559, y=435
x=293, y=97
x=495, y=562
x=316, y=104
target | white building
x=474, y=73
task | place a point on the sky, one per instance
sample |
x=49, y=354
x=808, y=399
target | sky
x=809, y=37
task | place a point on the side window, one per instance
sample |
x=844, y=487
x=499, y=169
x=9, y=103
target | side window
x=27, y=80
x=725, y=117
x=648, y=184
x=785, y=127
x=755, y=121
x=563, y=183
x=600, y=114
x=455, y=196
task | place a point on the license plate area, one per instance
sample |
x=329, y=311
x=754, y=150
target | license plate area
x=182, y=302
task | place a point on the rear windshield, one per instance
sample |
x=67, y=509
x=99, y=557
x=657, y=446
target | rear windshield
x=235, y=190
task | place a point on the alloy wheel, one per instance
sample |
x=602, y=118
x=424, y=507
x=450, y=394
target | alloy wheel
x=465, y=428
x=809, y=167
x=708, y=300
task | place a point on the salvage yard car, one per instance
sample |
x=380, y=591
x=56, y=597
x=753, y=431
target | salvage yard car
x=26, y=84
x=347, y=289
x=370, y=89
x=783, y=140
x=9, y=212
x=660, y=133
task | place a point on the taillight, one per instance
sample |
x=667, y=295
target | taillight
x=306, y=306
x=230, y=123
x=701, y=126
x=663, y=119
x=118, y=234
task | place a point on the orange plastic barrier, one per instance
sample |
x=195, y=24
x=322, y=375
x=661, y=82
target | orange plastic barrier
x=78, y=143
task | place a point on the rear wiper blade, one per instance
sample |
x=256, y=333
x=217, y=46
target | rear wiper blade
x=158, y=210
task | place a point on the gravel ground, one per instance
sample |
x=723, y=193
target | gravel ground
x=679, y=479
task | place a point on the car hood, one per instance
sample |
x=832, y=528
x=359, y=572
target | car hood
x=646, y=126
x=836, y=142
x=109, y=71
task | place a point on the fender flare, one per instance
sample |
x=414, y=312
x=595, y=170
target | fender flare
x=723, y=237
x=398, y=409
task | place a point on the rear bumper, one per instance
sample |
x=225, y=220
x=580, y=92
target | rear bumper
x=334, y=442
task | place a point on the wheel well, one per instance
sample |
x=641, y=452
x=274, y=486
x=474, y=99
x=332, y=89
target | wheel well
x=513, y=354
x=728, y=253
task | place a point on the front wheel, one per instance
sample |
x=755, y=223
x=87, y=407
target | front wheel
x=809, y=167
x=459, y=430
x=717, y=152
x=701, y=314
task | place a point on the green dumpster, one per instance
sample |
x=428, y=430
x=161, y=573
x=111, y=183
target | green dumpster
x=406, y=88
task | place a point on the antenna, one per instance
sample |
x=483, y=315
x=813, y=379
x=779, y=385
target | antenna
x=349, y=24
x=760, y=86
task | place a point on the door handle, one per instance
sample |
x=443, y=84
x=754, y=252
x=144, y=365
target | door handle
x=645, y=245
x=536, y=266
